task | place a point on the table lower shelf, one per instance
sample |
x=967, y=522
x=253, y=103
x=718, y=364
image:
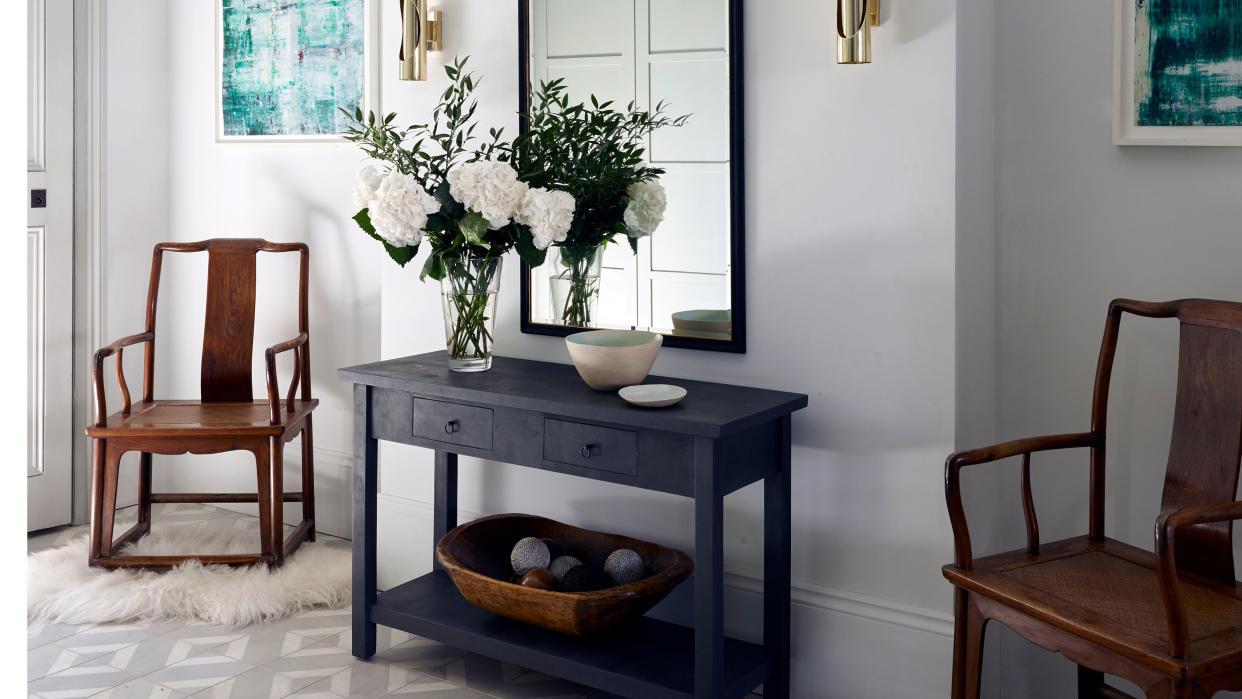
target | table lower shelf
x=644, y=658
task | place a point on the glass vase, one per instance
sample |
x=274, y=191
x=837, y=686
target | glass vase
x=468, y=293
x=575, y=284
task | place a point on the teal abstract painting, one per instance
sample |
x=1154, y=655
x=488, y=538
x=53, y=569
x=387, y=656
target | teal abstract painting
x=1188, y=62
x=287, y=65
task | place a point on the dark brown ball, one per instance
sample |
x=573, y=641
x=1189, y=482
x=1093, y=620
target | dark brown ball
x=584, y=578
x=539, y=578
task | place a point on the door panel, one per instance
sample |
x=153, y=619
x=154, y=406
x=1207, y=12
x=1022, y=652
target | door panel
x=49, y=258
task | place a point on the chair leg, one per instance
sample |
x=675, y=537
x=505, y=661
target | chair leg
x=98, y=454
x=144, y=491
x=276, y=451
x=263, y=470
x=308, y=478
x=107, y=508
x=967, y=646
x=1090, y=683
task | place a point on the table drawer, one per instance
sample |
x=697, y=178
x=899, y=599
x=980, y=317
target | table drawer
x=466, y=425
x=590, y=446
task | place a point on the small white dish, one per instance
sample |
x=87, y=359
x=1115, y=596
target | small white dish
x=653, y=395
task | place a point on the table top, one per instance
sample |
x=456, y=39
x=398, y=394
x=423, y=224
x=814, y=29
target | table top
x=709, y=409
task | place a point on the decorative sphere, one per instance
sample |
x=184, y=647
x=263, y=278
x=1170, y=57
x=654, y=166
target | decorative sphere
x=624, y=566
x=561, y=565
x=554, y=549
x=584, y=578
x=539, y=578
x=529, y=553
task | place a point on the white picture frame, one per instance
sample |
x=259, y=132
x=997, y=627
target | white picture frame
x=370, y=87
x=1126, y=131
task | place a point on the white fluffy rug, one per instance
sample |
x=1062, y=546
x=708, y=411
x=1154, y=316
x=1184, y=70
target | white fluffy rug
x=62, y=588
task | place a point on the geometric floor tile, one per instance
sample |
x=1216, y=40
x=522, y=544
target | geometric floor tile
x=262, y=643
x=39, y=634
x=82, y=680
x=199, y=672
x=140, y=688
x=103, y=639
x=50, y=659
x=259, y=683
x=307, y=656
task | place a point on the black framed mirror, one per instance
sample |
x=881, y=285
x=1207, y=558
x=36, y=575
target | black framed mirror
x=687, y=280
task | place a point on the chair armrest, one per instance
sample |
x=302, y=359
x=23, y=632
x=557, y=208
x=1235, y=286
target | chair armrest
x=1024, y=447
x=117, y=348
x=1167, y=525
x=296, y=344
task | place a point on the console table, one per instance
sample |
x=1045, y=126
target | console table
x=541, y=415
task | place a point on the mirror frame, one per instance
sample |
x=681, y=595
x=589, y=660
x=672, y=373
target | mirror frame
x=737, y=191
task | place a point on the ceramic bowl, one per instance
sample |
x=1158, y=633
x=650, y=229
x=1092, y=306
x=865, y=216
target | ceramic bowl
x=715, y=322
x=652, y=395
x=609, y=359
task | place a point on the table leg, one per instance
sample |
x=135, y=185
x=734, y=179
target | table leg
x=708, y=573
x=446, y=500
x=366, y=472
x=776, y=556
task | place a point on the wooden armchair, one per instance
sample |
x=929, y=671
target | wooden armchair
x=226, y=418
x=1171, y=621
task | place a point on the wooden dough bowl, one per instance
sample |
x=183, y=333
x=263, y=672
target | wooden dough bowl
x=476, y=557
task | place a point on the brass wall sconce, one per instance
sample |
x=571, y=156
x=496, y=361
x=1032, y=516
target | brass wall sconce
x=855, y=18
x=421, y=31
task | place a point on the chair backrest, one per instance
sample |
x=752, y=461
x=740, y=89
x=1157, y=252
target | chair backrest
x=1206, y=447
x=228, y=333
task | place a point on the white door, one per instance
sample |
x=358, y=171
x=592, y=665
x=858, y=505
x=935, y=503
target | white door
x=49, y=260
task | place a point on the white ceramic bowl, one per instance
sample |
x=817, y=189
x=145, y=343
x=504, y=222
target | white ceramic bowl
x=610, y=359
x=706, y=321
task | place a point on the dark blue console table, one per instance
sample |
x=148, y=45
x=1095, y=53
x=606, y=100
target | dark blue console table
x=541, y=415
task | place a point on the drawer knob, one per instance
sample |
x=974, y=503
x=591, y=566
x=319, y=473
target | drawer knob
x=451, y=427
x=589, y=450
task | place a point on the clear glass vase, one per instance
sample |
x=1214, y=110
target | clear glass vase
x=468, y=293
x=575, y=284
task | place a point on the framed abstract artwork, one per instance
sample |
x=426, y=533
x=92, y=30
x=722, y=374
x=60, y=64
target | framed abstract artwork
x=284, y=67
x=1178, y=73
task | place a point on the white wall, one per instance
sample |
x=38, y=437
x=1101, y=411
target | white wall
x=136, y=174
x=851, y=258
x=1079, y=222
x=851, y=304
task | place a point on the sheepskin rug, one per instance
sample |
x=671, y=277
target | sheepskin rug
x=61, y=588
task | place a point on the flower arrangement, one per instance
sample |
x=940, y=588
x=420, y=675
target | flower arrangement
x=440, y=184
x=596, y=155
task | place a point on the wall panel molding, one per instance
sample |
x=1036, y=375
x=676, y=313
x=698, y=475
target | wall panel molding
x=36, y=126
x=89, y=228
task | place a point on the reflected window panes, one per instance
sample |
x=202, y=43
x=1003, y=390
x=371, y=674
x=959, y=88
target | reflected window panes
x=648, y=51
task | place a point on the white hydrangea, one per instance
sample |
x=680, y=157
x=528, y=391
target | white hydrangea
x=365, y=183
x=400, y=208
x=645, y=210
x=488, y=187
x=549, y=214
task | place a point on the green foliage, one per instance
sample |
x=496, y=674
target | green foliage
x=399, y=255
x=595, y=153
x=428, y=152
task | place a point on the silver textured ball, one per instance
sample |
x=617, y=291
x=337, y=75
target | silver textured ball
x=561, y=565
x=528, y=554
x=624, y=567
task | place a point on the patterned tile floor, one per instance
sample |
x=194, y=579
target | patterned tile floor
x=302, y=656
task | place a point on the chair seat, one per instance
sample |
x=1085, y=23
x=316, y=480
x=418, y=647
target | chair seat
x=1107, y=592
x=187, y=418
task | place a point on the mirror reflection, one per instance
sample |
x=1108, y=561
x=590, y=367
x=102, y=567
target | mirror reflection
x=678, y=281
